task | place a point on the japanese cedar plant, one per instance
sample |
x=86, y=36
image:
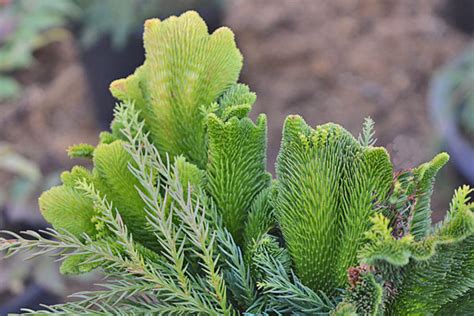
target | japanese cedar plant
x=181, y=215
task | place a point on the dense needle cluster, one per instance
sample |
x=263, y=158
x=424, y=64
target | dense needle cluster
x=181, y=216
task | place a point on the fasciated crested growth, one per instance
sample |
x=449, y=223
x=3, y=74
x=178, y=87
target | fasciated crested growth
x=327, y=185
x=185, y=71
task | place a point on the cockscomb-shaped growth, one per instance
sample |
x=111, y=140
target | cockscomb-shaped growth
x=184, y=73
x=180, y=214
x=327, y=185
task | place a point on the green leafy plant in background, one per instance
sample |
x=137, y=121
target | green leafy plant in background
x=28, y=172
x=181, y=216
x=22, y=181
x=26, y=25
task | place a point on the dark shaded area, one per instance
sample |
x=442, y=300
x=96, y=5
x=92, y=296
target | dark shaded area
x=32, y=298
x=460, y=14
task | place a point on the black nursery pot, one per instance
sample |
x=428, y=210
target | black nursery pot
x=445, y=114
x=32, y=298
x=104, y=63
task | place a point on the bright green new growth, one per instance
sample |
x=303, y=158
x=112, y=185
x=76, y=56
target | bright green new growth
x=236, y=167
x=181, y=215
x=327, y=183
x=185, y=71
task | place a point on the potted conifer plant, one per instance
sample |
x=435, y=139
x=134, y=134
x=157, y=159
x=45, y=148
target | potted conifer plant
x=181, y=215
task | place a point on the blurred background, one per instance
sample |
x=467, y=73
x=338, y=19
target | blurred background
x=408, y=64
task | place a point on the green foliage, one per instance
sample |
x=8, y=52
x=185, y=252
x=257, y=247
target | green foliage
x=463, y=305
x=27, y=25
x=449, y=274
x=236, y=101
x=367, y=137
x=181, y=216
x=240, y=143
x=381, y=245
x=422, y=188
x=344, y=309
x=81, y=151
x=180, y=83
x=260, y=219
x=283, y=293
x=326, y=186
x=113, y=178
x=236, y=271
x=428, y=286
x=65, y=208
x=264, y=249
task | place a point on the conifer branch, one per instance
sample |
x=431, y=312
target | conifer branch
x=285, y=295
x=190, y=211
x=237, y=273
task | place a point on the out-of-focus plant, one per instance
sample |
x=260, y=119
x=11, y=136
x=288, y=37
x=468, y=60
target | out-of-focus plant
x=451, y=101
x=16, y=201
x=467, y=108
x=27, y=176
x=26, y=25
x=17, y=273
x=467, y=116
x=22, y=180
